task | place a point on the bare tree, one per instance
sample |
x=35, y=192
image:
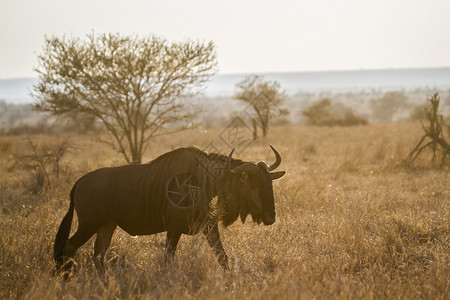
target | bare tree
x=263, y=98
x=134, y=86
x=434, y=137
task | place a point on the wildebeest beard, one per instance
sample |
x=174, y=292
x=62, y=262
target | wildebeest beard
x=227, y=203
x=228, y=206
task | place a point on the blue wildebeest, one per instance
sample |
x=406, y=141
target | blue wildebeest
x=173, y=193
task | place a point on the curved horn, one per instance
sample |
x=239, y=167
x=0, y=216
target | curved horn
x=277, y=161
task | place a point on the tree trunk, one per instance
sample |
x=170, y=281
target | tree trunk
x=255, y=127
x=136, y=156
x=265, y=125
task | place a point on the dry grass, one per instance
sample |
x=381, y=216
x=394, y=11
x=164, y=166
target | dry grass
x=351, y=223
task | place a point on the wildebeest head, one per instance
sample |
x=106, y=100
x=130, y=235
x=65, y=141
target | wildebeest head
x=252, y=186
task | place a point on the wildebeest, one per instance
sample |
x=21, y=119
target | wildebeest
x=173, y=193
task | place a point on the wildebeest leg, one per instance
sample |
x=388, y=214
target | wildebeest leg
x=80, y=237
x=102, y=243
x=171, y=244
x=213, y=238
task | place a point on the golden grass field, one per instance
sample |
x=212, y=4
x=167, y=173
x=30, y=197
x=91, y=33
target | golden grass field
x=352, y=223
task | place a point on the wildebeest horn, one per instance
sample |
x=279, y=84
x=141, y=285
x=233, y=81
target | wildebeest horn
x=277, y=161
x=229, y=155
x=228, y=161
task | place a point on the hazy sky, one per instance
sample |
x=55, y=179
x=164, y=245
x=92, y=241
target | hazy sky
x=251, y=36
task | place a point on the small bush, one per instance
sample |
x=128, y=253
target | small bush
x=384, y=109
x=5, y=147
x=324, y=113
x=418, y=113
x=43, y=163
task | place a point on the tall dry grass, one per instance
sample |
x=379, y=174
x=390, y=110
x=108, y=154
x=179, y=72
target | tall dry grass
x=352, y=222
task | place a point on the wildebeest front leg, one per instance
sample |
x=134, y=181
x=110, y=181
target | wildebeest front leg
x=171, y=244
x=213, y=238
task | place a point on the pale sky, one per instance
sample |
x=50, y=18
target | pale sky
x=251, y=36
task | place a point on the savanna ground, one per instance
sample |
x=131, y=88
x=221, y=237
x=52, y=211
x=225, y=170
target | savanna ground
x=352, y=222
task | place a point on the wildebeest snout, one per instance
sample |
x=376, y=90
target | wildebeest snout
x=268, y=219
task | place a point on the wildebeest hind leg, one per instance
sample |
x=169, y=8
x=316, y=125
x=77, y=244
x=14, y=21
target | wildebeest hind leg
x=80, y=237
x=102, y=242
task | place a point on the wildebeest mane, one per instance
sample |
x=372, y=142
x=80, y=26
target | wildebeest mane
x=231, y=206
x=212, y=156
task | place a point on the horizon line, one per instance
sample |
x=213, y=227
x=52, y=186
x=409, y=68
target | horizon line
x=288, y=72
x=336, y=70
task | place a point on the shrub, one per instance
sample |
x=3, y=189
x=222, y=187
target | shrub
x=418, y=113
x=43, y=163
x=385, y=108
x=324, y=113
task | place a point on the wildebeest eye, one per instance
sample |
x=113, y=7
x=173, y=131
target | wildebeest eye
x=244, y=176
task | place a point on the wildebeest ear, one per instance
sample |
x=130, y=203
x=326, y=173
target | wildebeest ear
x=277, y=175
x=244, y=176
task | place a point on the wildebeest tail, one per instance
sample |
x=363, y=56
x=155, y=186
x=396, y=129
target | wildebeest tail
x=64, y=230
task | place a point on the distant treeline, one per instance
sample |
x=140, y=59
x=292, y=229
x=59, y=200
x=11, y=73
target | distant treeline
x=304, y=108
x=13, y=115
